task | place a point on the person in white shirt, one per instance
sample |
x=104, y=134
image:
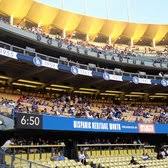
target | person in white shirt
x=5, y=146
x=3, y=150
x=166, y=151
x=82, y=157
x=163, y=154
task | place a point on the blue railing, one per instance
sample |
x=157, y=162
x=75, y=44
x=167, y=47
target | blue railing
x=79, y=69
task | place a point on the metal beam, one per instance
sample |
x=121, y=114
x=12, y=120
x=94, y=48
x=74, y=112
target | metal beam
x=38, y=70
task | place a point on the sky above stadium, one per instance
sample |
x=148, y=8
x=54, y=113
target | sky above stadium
x=142, y=11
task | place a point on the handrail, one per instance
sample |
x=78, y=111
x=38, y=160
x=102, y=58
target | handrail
x=30, y=163
x=78, y=65
x=91, y=145
x=149, y=146
x=34, y=146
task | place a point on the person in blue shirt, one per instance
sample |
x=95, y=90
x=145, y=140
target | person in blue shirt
x=58, y=157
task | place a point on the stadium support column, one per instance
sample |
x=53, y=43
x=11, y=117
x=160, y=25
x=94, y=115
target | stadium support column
x=153, y=43
x=39, y=25
x=109, y=40
x=64, y=34
x=87, y=37
x=11, y=20
x=131, y=42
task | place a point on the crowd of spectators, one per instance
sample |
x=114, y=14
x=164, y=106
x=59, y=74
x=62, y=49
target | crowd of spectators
x=105, y=49
x=33, y=145
x=84, y=107
x=4, y=19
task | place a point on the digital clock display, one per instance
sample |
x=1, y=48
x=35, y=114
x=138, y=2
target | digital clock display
x=28, y=121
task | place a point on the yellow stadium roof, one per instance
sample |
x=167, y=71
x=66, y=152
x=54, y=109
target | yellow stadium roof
x=48, y=16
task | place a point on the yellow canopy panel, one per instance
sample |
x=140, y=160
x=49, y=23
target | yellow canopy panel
x=90, y=25
x=47, y=16
x=67, y=21
x=41, y=14
x=15, y=8
x=113, y=29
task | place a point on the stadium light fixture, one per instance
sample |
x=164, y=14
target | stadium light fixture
x=88, y=89
x=25, y=85
x=55, y=89
x=2, y=81
x=157, y=96
x=83, y=92
x=108, y=94
x=138, y=93
x=113, y=91
x=31, y=82
x=4, y=77
x=161, y=94
x=131, y=95
x=61, y=86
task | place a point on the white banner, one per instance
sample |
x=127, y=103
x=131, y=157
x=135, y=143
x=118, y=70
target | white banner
x=115, y=77
x=49, y=64
x=8, y=53
x=84, y=72
x=145, y=81
x=146, y=128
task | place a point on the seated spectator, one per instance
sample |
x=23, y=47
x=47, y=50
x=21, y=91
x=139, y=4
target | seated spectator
x=142, y=166
x=85, y=107
x=166, y=152
x=145, y=156
x=161, y=154
x=133, y=161
x=58, y=157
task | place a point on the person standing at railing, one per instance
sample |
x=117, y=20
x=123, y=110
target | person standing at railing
x=82, y=157
x=133, y=161
x=4, y=149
